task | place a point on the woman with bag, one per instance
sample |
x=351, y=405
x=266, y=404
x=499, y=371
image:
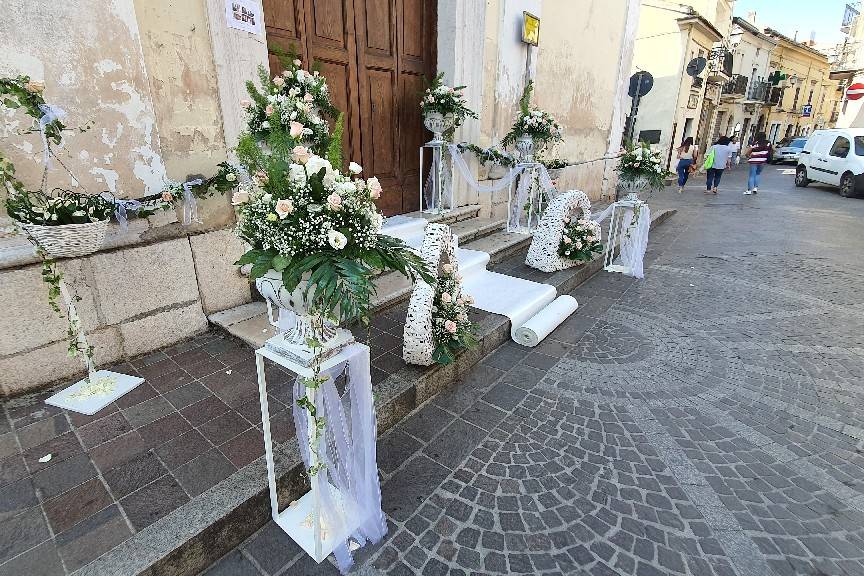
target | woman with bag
x=687, y=156
x=716, y=161
x=759, y=154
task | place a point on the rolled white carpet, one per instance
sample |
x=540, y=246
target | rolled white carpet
x=545, y=321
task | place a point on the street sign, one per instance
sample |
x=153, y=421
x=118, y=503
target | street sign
x=807, y=111
x=530, y=29
x=640, y=84
x=855, y=91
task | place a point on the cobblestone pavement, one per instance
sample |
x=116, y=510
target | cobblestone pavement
x=705, y=420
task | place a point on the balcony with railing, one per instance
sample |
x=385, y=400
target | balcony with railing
x=720, y=65
x=736, y=88
x=698, y=82
x=775, y=97
x=758, y=91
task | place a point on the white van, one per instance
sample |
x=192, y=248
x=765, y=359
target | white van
x=833, y=157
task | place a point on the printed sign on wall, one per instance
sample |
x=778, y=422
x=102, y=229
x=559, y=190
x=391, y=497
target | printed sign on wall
x=244, y=15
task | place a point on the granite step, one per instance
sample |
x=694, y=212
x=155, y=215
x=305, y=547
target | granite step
x=197, y=533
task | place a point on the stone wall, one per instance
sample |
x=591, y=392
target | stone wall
x=133, y=300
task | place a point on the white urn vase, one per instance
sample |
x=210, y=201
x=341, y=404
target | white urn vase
x=438, y=123
x=525, y=147
x=631, y=187
x=294, y=335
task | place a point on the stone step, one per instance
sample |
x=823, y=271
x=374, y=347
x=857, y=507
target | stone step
x=199, y=532
x=250, y=323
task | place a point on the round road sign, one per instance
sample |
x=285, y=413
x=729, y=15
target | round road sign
x=855, y=91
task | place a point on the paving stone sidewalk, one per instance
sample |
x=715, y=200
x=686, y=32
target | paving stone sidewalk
x=705, y=420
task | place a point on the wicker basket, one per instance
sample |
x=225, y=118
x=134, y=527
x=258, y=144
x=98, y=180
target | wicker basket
x=68, y=240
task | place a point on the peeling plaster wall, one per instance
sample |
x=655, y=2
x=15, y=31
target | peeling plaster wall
x=176, y=46
x=93, y=67
x=577, y=80
x=575, y=69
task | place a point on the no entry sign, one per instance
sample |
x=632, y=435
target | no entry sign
x=855, y=91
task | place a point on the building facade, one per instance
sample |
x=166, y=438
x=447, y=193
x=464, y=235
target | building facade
x=809, y=99
x=685, y=48
x=162, y=83
x=747, y=97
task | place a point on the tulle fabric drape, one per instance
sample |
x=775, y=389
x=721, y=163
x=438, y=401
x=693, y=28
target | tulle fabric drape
x=347, y=450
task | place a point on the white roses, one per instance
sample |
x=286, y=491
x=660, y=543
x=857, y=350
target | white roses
x=336, y=239
x=355, y=168
x=315, y=163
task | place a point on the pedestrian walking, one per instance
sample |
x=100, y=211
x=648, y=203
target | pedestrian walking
x=758, y=155
x=735, y=148
x=687, y=156
x=716, y=160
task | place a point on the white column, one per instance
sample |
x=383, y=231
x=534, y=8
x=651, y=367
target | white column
x=620, y=107
x=461, y=24
x=237, y=55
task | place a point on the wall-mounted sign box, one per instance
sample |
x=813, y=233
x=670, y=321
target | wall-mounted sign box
x=530, y=29
x=244, y=15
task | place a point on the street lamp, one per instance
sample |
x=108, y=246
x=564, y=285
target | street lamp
x=793, y=80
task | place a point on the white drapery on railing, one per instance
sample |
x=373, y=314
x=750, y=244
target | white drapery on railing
x=347, y=450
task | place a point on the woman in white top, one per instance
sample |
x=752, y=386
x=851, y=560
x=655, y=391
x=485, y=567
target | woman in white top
x=687, y=156
x=722, y=157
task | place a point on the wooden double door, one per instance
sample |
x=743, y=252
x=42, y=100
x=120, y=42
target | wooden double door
x=375, y=55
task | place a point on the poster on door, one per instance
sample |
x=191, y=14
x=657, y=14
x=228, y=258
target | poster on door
x=244, y=15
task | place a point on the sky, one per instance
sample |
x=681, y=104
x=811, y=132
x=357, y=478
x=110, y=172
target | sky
x=805, y=16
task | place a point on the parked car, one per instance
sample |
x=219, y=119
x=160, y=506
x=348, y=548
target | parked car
x=789, y=152
x=834, y=157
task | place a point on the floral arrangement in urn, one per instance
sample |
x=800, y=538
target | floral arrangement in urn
x=533, y=128
x=310, y=226
x=581, y=240
x=452, y=331
x=641, y=167
x=444, y=107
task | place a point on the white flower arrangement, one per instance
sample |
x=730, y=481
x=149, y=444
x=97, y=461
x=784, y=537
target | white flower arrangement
x=301, y=215
x=446, y=100
x=290, y=108
x=641, y=161
x=538, y=124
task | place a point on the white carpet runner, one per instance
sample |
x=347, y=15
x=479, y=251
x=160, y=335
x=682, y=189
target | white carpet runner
x=533, y=308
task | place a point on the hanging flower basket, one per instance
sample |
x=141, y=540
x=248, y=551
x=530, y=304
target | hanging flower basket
x=68, y=240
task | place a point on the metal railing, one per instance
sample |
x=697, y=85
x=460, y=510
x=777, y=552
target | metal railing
x=758, y=91
x=737, y=86
x=775, y=97
x=697, y=82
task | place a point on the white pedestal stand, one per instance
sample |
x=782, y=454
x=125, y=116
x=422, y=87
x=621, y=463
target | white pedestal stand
x=617, y=231
x=534, y=198
x=436, y=191
x=316, y=540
